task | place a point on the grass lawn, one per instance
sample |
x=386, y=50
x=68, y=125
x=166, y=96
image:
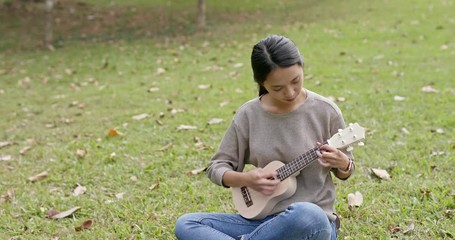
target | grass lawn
x=142, y=73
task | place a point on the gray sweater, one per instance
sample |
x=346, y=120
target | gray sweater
x=258, y=137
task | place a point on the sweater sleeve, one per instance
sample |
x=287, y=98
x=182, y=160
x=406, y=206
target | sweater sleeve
x=231, y=154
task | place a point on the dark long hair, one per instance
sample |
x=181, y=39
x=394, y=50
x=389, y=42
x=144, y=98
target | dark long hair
x=272, y=52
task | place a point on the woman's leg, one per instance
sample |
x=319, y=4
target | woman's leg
x=300, y=221
x=211, y=226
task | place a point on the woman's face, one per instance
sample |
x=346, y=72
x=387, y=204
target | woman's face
x=285, y=84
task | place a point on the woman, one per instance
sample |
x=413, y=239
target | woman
x=283, y=122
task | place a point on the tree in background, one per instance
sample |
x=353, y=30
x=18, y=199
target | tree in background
x=201, y=14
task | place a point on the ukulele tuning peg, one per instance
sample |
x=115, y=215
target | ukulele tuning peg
x=349, y=149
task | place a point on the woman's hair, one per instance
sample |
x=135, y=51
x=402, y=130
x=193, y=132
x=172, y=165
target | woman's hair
x=272, y=52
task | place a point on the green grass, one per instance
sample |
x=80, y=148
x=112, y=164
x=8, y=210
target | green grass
x=368, y=52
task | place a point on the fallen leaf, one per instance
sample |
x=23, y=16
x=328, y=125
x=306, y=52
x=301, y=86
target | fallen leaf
x=174, y=111
x=85, y=225
x=425, y=192
x=382, y=174
x=224, y=103
x=113, y=132
x=24, y=150
x=355, y=199
x=53, y=214
x=429, y=89
x=405, y=131
x=154, y=186
x=165, y=147
x=197, y=171
x=39, y=176
x=399, y=98
x=160, y=71
x=394, y=228
x=6, y=158
x=215, y=121
x=80, y=153
x=238, y=65
x=7, y=196
x=79, y=190
x=186, y=127
x=141, y=116
x=204, y=86
x=5, y=144
x=119, y=195
x=438, y=130
x=341, y=99
x=153, y=89
x=409, y=228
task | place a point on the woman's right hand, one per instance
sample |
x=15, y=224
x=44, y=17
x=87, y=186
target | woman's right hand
x=262, y=181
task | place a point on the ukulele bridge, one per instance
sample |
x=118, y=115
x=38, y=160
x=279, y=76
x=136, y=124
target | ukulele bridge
x=246, y=196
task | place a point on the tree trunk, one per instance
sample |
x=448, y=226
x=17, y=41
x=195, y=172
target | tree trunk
x=201, y=14
x=49, y=25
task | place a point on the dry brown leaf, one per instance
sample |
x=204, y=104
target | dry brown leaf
x=425, y=192
x=175, y=111
x=141, y=116
x=79, y=190
x=224, y=103
x=153, y=89
x=39, y=176
x=85, y=225
x=197, y=171
x=80, y=153
x=438, y=130
x=24, y=150
x=204, y=86
x=399, y=98
x=409, y=228
x=160, y=71
x=429, y=89
x=341, y=99
x=355, y=199
x=154, y=186
x=119, y=195
x=394, y=228
x=380, y=173
x=215, y=121
x=166, y=147
x=7, y=196
x=113, y=132
x=238, y=65
x=53, y=214
x=186, y=127
x=6, y=158
x=5, y=144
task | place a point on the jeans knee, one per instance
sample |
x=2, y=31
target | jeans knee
x=182, y=224
x=310, y=215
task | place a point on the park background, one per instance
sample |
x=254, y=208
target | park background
x=106, y=130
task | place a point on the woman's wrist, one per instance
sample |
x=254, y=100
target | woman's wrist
x=348, y=168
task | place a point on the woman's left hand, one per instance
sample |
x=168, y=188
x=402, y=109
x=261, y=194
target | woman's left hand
x=332, y=157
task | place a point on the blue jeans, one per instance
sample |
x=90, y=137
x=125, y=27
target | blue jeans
x=301, y=220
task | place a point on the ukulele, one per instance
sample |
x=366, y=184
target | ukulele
x=255, y=205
